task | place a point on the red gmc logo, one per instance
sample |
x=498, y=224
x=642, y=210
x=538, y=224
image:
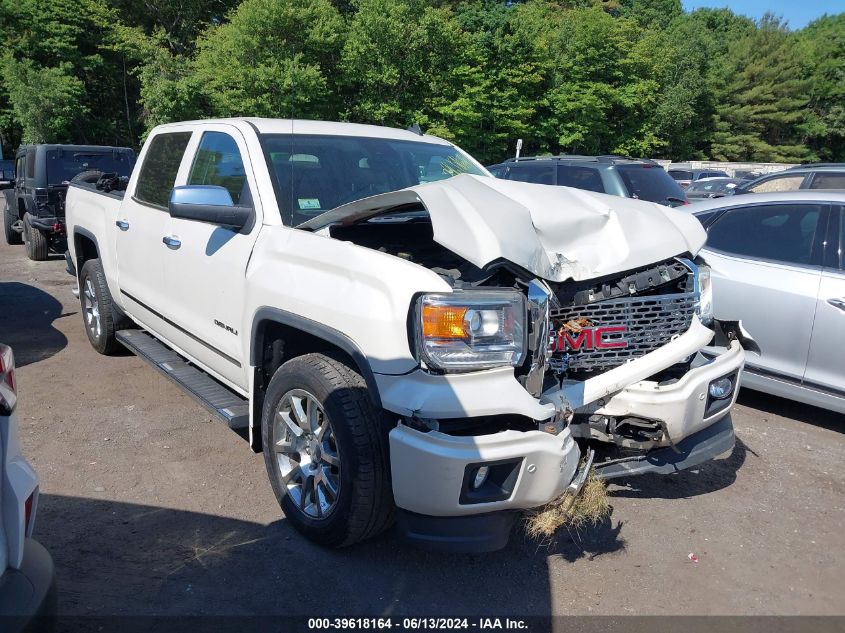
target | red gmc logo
x=588, y=339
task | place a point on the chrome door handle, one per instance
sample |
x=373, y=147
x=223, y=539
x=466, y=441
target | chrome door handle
x=837, y=302
x=123, y=225
x=171, y=242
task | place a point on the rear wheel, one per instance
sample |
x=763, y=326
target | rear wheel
x=37, y=246
x=97, y=308
x=326, y=451
x=12, y=236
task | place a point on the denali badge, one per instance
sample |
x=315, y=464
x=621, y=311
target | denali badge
x=582, y=335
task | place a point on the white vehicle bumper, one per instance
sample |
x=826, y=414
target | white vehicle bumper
x=433, y=473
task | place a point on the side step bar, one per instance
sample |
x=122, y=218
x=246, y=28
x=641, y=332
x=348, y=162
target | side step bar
x=228, y=406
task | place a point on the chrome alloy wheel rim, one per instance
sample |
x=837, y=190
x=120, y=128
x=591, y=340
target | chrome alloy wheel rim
x=92, y=309
x=306, y=453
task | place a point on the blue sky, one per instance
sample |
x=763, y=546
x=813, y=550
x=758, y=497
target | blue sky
x=798, y=13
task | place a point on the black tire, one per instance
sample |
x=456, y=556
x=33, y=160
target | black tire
x=13, y=238
x=102, y=338
x=364, y=504
x=90, y=176
x=37, y=245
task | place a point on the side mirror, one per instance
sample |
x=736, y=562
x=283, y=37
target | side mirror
x=208, y=203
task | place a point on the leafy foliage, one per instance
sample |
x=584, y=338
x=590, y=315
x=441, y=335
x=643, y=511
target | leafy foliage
x=638, y=77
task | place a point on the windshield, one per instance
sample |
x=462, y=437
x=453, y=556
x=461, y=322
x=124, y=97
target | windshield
x=63, y=164
x=645, y=182
x=315, y=173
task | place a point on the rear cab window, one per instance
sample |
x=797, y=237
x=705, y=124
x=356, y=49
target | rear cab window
x=648, y=182
x=160, y=167
x=680, y=174
x=64, y=164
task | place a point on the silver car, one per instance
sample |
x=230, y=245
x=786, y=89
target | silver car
x=778, y=262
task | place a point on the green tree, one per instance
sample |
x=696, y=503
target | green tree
x=823, y=52
x=762, y=98
x=272, y=59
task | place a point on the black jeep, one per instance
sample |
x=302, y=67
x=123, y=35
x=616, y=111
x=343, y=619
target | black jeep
x=35, y=207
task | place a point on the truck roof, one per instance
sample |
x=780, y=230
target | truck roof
x=333, y=128
x=76, y=148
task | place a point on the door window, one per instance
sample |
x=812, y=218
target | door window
x=30, y=164
x=161, y=164
x=781, y=183
x=218, y=162
x=538, y=173
x=828, y=181
x=841, y=248
x=779, y=232
x=580, y=178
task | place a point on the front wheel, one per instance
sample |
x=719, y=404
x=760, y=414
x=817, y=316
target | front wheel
x=326, y=451
x=97, y=309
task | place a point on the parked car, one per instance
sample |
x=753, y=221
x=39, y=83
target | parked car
x=497, y=170
x=7, y=174
x=712, y=188
x=778, y=262
x=451, y=349
x=637, y=178
x=34, y=211
x=685, y=176
x=817, y=176
x=27, y=588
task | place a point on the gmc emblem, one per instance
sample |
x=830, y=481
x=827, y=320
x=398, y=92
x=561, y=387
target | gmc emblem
x=577, y=339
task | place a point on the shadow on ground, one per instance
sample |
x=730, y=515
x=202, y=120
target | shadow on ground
x=791, y=409
x=708, y=477
x=119, y=558
x=27, y=314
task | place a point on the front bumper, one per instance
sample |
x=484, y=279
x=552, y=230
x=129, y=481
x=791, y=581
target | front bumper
x=433, y=473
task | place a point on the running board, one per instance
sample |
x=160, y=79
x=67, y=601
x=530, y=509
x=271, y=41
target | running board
x=228, y=406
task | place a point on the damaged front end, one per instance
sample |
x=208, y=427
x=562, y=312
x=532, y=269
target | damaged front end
x=572, y=335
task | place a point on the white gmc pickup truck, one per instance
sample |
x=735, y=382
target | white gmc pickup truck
x=404, y=336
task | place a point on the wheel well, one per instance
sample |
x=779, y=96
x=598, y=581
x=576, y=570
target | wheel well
x=275, y=343
x=85, y=249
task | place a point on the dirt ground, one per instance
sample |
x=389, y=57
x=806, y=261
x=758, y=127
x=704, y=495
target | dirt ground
x=150, y=507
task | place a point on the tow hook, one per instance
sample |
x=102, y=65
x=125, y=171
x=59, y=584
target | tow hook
x=574, y=489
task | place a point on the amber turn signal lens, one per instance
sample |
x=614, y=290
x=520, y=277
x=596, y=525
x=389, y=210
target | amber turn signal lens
x=443, y=321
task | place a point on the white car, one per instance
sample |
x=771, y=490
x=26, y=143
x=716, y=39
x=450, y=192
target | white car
x=778, y=263
x=396, y=329
x=26, y=568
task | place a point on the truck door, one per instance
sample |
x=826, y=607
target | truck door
x=205, y=265
x=141, y=223
x=826, y=362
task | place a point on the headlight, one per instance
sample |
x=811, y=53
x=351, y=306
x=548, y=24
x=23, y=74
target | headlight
x=705, y=295
x=466, y=331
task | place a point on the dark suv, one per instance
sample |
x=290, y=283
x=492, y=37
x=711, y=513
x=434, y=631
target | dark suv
x=35, y=207
x=814, y=176
x=615, y=175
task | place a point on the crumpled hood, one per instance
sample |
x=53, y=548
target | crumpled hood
x=557, y=233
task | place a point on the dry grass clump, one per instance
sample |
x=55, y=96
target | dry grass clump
x=590, y=507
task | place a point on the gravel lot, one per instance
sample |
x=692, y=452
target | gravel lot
x=149, y=507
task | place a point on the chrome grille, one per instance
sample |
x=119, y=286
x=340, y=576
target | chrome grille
x=651, y=322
